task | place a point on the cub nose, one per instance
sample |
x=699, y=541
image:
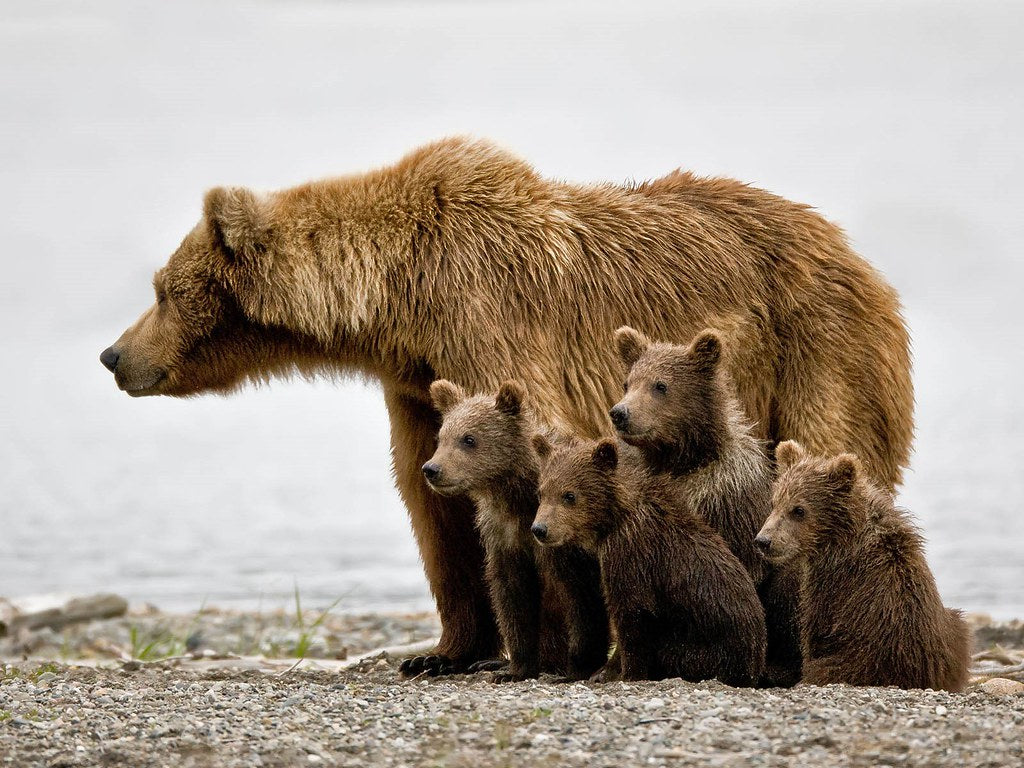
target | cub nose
x=431, y=471
x=620, y=416
x=540, y=531
x=109, y=358
x=763, y=543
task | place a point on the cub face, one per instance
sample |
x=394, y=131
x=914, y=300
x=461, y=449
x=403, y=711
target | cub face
x=576, y=490
x=669, y=389
x=805, y=497
x=480, y=438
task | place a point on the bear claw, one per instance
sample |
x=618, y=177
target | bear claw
x=432, y=666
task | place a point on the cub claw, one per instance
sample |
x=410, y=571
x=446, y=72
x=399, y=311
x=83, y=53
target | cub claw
x=487, y=665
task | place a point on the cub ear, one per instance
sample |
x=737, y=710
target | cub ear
x=631, y=344
x=239, y=220
x=706, y=349
x=510, y=398
x=606, y=455
x=445, y=394
x=843, y=471
x=788, y=453
x=541, y=446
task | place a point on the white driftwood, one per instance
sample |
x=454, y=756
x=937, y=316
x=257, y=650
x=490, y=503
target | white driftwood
x=78, y=609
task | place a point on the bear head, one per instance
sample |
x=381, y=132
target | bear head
x=810, y=502
x=482, y=440
x=672, y=399
x=224, y=305
x=577, y=490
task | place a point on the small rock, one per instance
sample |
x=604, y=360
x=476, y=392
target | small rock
x=1001, y=686
x=940, y=710
x=655, y=703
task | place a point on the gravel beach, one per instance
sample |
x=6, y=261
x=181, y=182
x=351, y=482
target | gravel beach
x=91, y=704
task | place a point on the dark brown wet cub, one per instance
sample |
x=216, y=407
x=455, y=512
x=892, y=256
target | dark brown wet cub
x=484, y=452
x=680, y=412
x=680, y=603
x=872, y=613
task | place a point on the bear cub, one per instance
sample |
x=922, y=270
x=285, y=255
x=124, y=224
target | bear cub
x=679, y=602
x=680, y=412
x=872, y=613
x=548, y=603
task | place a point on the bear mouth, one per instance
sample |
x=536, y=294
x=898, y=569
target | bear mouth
x=146, y=387
x=446, y=489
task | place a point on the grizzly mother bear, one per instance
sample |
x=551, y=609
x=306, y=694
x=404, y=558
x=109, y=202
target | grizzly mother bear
x=461, y=262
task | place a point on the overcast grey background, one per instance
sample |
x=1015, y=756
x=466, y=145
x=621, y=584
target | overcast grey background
x=901, y=121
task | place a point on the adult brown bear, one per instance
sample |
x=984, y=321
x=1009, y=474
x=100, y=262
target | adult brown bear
x=461, y=262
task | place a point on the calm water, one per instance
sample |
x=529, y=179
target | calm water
x=900, y=121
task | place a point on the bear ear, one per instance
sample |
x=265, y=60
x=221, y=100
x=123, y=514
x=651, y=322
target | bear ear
x=239, y=221
x=843, y=471
x=445, y=395
x=605, y=455
x=631, y=344
x=706, y=349
x=510, y=398
x=788, y=453
x=541, y=446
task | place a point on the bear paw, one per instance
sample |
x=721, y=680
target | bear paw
x=432, y=666
x=487, y=665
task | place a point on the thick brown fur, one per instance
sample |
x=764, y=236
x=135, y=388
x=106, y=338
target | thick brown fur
x=679, y=411
x=461, y=262
x=484, y=451
x=872, y=613
x=680, y=603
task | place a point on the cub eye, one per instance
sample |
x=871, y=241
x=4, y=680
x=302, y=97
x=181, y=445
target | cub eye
x=468, y=440
x=660, y=387
x=569, y=497
x=625, y=386
x=798, y=513
x=161, y=297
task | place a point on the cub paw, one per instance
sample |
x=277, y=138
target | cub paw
x=487, y=665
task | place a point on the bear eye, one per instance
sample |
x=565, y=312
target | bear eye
x=660, y=387
x=569, y=497
x=468, y=440
x=625, y=386
x=161, y=296
x=798, y=513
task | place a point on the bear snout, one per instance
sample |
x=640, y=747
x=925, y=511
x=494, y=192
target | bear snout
x=431, y=471
x=109, y=358
x=540, y=532
x=620, y=417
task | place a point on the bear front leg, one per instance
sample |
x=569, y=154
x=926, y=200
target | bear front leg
x=449, y=545
x=586, y=619
x=636, y=645
x=515, y=595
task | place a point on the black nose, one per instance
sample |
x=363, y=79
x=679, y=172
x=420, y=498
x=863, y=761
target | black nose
x=109, y=359
x=431, y=471
x=764, y=543
x=620, y=416
x=540, y=531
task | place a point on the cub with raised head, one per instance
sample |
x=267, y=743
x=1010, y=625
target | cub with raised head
x=679, y=602
x=872, y=613
x=680, y=412
x=483, y=451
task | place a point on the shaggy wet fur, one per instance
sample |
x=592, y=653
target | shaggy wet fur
x=680, y=603
x=484, y=451
x=679, y=411
x=461, y=262
x=872, y=614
